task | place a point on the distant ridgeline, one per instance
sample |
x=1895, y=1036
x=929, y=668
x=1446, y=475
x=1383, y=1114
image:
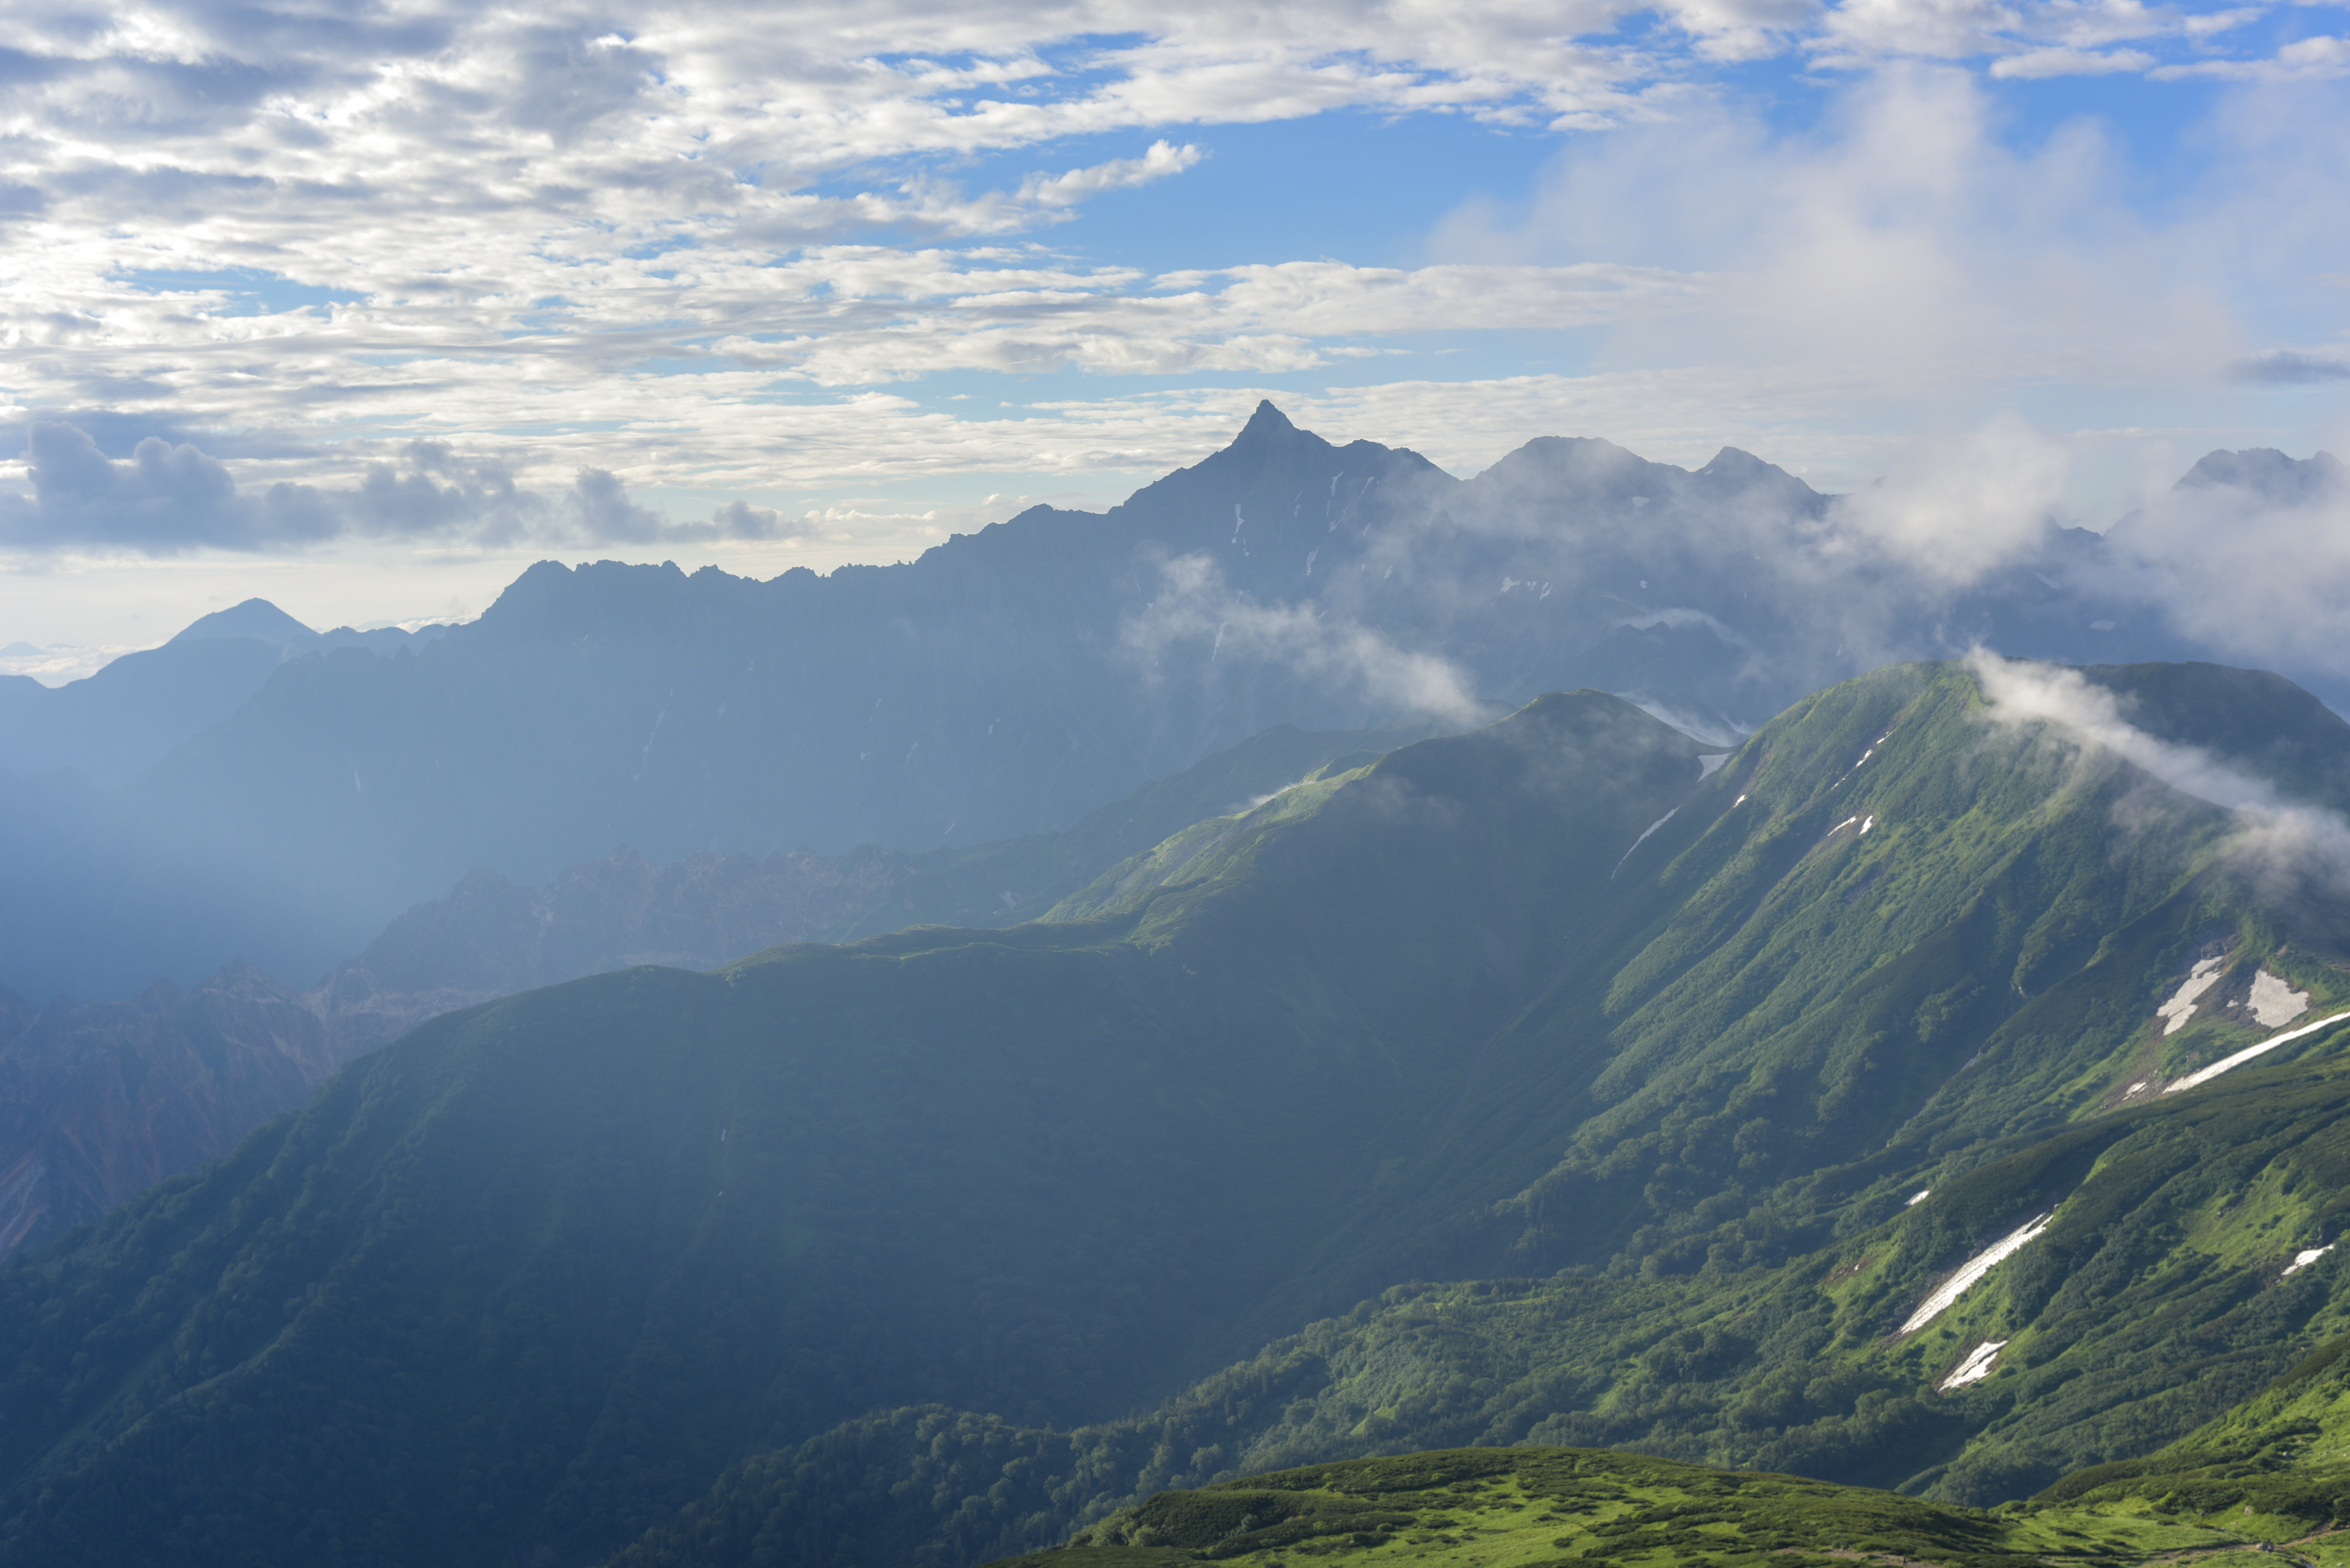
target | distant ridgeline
x=98, y=1102
x=1006, y=683
x=1876, y=1103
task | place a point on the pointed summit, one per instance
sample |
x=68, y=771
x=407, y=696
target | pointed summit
x=255, y=619
x=1268, y=424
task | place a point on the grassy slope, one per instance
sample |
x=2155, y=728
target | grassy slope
x=1016, y=879
x=1463, y=1508
x=534, y=1275
x=1732, y=1285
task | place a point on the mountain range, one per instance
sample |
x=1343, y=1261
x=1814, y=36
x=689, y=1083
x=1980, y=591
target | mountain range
x=125, y=718
x=1601, y=1018
x=1923, y=1094
x=1004, y=684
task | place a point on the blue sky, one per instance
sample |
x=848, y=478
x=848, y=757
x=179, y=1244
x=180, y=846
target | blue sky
x=364, y=306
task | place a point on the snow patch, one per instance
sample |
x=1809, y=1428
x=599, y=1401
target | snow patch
x=2303, y=1258
x=2181, y=1005
x=1868, y=824
x=1740, y=801
x=1642, y=839
x=1918, y=1197
x=2228, y=1064
x=1707, y=766
x=1973, y=1270
x=1975, y=1368
x=2276, y=1003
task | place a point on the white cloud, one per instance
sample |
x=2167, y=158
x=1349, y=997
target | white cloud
x=2259, y=570
x=1956, y=508
x=2036, y=63
x=1194, y=609
x=515, y=226
x=2284, y=844
x=168, y=500
x=2306, y=59
x=1119, y=174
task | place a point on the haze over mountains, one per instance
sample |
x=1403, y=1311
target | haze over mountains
x=1541, y=977
x=101, y=1100
x=1007, y=683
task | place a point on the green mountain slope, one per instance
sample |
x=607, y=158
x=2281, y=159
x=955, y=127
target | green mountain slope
x=2156, y=1301
x=1755, y=1320
x=1638, y=1058
x=1463, y=1508
x=1017, y=879
x=536, y=1273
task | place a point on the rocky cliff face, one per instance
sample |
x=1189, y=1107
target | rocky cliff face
x=98, y=1102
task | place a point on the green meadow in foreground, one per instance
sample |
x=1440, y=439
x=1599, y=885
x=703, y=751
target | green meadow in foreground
x=1548, y=1508
x=2270, y=1479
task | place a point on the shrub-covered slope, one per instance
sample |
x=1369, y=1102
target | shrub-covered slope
x=1529, y=1506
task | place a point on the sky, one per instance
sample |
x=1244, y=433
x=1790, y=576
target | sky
x=363, y=307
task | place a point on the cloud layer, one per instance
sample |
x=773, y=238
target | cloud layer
x=419, y=270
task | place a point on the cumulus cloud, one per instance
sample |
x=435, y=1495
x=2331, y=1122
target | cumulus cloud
x=1118, y=174
x=2305, y=59
x=2249, y=554
x=1956, y=507
x=1902, y=243
x=170, y=498
x=2037, y=64
x=163, y=500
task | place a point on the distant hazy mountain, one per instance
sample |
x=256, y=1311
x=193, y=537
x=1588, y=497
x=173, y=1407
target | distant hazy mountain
x=1005, y=684
x=100, y=1102
x=1605, y=1092
x=135, y=707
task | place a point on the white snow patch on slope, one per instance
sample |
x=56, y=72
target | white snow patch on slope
x=1975, y=1368
x=2303, y=1258
x=1974, y=1269
x=1642, y=839
x=1707, y=766
x=2228, y=1064
x=2181, y=1005
x=1918, y=1197
x=1869, y=824
x=2276, y=1003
